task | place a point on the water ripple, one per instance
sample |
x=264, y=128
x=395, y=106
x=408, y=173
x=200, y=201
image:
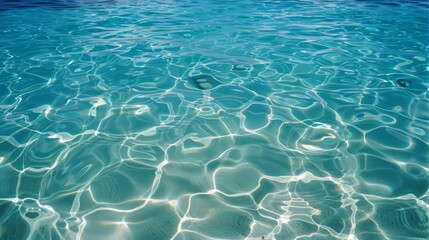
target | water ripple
x=214, y=120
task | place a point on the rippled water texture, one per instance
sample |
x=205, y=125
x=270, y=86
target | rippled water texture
x=214, y=120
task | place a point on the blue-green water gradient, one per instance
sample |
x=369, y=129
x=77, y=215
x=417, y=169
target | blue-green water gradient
x=214, y=120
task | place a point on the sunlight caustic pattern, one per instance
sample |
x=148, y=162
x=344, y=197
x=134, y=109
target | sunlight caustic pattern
x=214, y=120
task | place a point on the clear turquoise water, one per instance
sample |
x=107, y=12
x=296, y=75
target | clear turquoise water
x=214, y=120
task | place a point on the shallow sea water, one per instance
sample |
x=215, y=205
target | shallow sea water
x=214, y=119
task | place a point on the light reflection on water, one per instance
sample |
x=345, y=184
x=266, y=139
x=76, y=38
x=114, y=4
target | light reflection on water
x=214, y=120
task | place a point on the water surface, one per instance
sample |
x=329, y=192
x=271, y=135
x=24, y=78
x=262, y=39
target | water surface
x=214, y=119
